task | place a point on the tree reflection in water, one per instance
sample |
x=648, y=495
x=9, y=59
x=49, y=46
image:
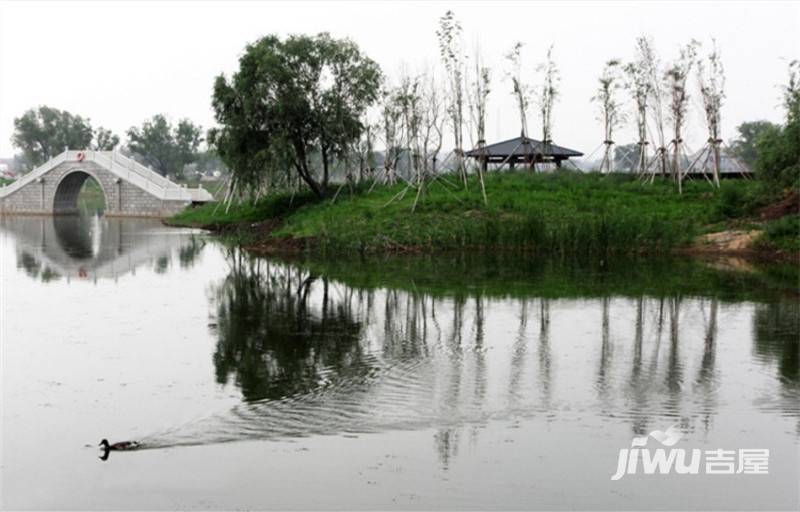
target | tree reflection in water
x=776, y=333
x=35, y=268
x=313, y=355
x=776, y=327
x=272, y=341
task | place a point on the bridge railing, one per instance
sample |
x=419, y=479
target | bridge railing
x=170, y=190
x=34, y=174
x=119, y=165
x=126, y=174
x=144, y=171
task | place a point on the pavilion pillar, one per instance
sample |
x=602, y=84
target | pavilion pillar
x=484, y=158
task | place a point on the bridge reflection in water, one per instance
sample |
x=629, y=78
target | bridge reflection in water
x=92, y=247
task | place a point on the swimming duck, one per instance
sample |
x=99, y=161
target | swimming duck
x=121, y=446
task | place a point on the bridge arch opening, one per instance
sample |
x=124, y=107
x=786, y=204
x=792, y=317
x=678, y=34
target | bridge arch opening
x=79, y=192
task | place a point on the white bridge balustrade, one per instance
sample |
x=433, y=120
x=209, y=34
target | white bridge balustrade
x=129, y=188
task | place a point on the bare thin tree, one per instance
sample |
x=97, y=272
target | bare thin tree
x=638, y=86
x=391, y=126
x=364, y=150
x=676, y=77
x=478, y=96
x=520, y=90
x=610, y=109
x=433, y=119
x=648, y=61
x=409, y=101
x=452, y=55
x=546, y=94
x=711, y=77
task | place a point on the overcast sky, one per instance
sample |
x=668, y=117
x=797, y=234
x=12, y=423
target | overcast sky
x=119, y=63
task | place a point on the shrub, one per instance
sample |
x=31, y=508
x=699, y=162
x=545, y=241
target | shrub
x=784, y=233
x=738, y=199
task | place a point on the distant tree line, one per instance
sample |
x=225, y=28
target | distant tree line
x=165, y=148
x=169, y=149
x=44, y=132
x=774, y=150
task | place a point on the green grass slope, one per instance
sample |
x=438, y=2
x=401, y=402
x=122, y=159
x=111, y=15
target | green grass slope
x=559, y=213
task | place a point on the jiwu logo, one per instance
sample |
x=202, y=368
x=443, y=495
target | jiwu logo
x=658, y=460
x=748, y=461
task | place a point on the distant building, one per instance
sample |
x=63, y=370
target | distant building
x=729, y=165
x=625, y=157
x=6, y=171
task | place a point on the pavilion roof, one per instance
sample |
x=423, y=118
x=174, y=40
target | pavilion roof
x=522, y=147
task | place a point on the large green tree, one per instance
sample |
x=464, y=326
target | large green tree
x=104, y=140
x=290, y=99
x=165, y=147
x=744, y=145
x=626, y=157
x=778, y=148
x=44, y=132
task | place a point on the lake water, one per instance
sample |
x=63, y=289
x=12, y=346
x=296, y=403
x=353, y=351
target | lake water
x=454, y=382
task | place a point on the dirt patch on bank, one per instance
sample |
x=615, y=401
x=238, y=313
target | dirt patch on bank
x=789, y=205
x=737, y=247
x=729, y=241
x=284, y=245
x=260, y=240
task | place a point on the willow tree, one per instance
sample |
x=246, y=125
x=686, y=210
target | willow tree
x=289, y=100
x=638, y=86
x=452, y=55
x=711, y=77
x=676, y=77
x=610, y=110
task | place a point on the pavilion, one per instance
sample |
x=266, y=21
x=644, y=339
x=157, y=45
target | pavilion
x=521, y=150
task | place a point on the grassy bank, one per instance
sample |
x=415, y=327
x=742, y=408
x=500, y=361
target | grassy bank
x=563, y=213
x=91, y=196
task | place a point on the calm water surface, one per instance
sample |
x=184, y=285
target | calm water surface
x=448, y=382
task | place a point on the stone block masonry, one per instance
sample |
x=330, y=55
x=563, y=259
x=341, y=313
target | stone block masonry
x=56, y=192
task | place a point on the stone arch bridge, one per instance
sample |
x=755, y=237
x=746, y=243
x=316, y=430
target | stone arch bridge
x=129, y=188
